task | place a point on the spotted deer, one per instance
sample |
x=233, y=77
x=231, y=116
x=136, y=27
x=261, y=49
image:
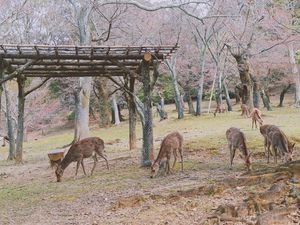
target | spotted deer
x=85, y=148
x=236, y=139
x=169, y=145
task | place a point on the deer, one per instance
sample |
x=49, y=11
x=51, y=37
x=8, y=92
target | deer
x=256, y=117
x=221, y=108
x=236, y=139
x=170, y=144
x=275, y=137
x=4, y=139
x=245, y=110
x=85, y=148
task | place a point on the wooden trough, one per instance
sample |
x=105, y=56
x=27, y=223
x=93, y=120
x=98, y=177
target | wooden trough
x=56, y=156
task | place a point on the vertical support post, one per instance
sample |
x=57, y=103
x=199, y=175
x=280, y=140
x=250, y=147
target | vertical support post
x=148, y=153
x=132, y=116
x=21, y=107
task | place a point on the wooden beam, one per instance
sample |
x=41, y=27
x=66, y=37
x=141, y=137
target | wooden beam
x=124, y=68
x=73, y=63
x=16, y=72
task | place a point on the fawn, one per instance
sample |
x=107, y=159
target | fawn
x=256, y=117
x=245, y=110
x=85, y=148
x=170, y=144
x=221, y=108
x=236, y=139
x=279, y=141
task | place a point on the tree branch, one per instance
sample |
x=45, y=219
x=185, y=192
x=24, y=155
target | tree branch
x=37, y=86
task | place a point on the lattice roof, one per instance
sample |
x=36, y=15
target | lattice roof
x=76, y=61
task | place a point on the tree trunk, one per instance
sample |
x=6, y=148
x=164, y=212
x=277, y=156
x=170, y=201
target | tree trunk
x=189, y=100
x=82, y=14
x=173, y=74
x=201, y=81
x=10, y=126
x=161, y=108
x=1, y=91
x=256, y=94
x=21, y=109
x=247, y=85
x=295, y=73
x=132, y=115
x=227, y=97
x=103, y=104
x=148, y=153
x=266, y=100
x=84, y=106
x=237, y=94
x=211, y=93
x=282, y=94
x=115, y=110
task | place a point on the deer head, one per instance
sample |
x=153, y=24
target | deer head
x=59, y=172
x=247, y=160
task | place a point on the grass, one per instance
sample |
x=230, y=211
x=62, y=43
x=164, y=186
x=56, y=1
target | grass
x=205, y=134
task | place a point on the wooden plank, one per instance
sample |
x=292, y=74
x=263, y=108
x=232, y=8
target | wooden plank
x=77, y=57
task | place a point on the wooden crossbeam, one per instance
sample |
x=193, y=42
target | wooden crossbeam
x=78, y=57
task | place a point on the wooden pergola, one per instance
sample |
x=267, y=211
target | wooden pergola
x=23, y=61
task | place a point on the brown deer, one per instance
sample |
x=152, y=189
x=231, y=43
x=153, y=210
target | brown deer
x=170, y=144
x=221, y=108
x=85, y=148
x=4, y=139
x=245, y=110
x=276, y=138
x=256, y=117
x=236, y=139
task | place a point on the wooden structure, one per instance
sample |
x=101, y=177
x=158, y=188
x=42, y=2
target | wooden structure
x=23, y=61
x=78, y=61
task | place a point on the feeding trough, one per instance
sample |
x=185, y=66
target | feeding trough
x=56, y=156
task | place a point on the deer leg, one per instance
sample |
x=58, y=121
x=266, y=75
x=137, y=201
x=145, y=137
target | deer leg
x=83, y=167
x=232, y=153
x=102, y=156
x=168, y=164
x=77, y=166
x=175, y=158
x=181, y=158
x=275, y=153
x=95, y=162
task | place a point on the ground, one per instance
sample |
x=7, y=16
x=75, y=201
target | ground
x=206, y=192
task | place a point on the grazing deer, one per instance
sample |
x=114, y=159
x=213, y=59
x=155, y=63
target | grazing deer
x=85, y=148
x=245, y=110
x=279, y=141
x=236, y=139
x=170, y=144
x=256, y=117
x=221, y=108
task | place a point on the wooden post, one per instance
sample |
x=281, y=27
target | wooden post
x=132, y=115
x=147, y=154
x=21, y=107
